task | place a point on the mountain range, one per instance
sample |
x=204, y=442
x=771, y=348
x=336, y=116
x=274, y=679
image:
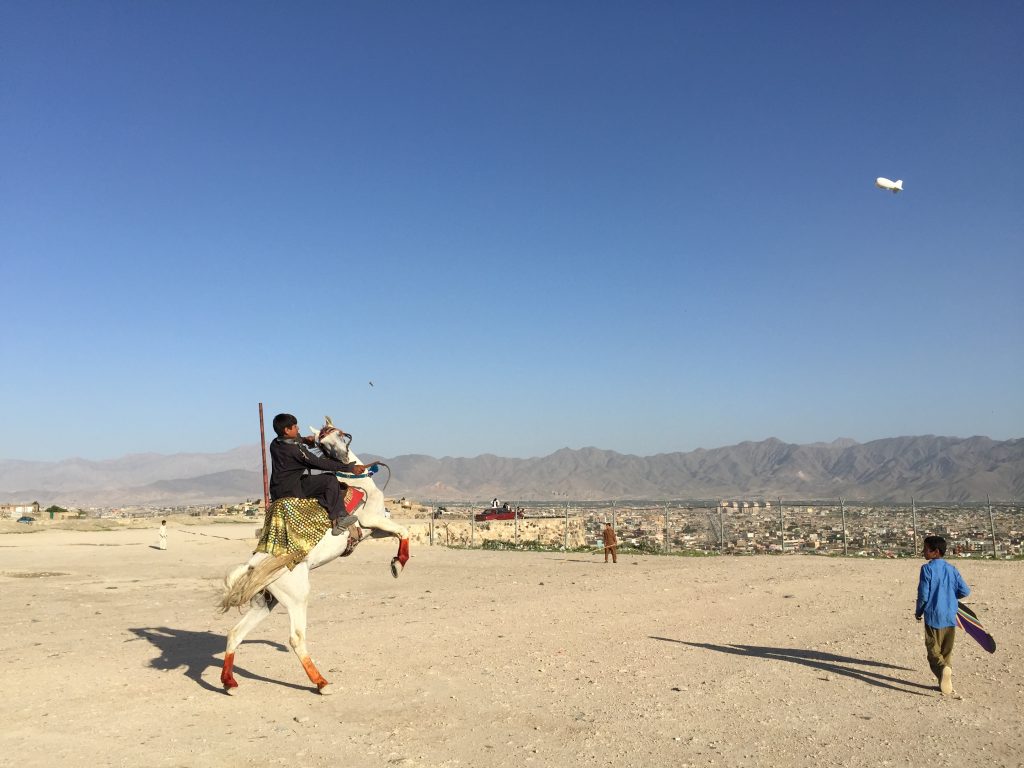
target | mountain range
x=892, y=469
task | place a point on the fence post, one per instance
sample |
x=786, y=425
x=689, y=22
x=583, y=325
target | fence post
x=782, y=528
x=992, y=525
x=913, y=510
x=842, y=507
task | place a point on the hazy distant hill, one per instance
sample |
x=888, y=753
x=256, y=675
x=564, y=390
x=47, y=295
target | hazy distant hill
x=928, y=467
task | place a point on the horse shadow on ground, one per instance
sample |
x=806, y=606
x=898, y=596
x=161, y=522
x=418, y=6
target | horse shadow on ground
x=826, y=662
x=196, y=652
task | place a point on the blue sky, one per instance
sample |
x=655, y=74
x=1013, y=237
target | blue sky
x=644, y=227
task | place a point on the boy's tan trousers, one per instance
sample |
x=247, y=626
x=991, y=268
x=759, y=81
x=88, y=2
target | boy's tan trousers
x=938, y=642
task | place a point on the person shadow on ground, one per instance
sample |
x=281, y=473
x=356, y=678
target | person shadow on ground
x=826, y=662
x=197, y=652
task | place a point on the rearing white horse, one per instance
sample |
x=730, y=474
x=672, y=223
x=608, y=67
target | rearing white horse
x=265, y=580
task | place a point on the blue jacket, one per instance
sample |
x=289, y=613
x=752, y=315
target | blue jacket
x=938, y=589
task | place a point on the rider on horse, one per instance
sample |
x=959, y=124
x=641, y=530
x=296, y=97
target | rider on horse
x=291, y=476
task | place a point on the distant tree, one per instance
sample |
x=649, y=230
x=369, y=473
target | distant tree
x=54, y=510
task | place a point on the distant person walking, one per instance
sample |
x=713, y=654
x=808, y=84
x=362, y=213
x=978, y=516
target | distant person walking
x=611, y=544
x=938, y=588
x=163, y=534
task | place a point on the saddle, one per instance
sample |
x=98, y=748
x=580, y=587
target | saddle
x=294, y=526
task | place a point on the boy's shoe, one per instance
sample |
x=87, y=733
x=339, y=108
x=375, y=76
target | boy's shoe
x=355, y=535
x=341, y=524
x=946, y=682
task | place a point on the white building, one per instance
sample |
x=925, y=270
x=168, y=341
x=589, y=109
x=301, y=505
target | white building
x=14, y=511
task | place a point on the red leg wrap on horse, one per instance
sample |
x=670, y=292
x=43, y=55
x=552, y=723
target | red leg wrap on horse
x=313, y=672
x=226, y=678
x=403, y=551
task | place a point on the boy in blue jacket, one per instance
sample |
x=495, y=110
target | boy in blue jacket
x=938, y=589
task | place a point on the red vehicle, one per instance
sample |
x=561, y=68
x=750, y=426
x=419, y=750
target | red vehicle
x=504, y=512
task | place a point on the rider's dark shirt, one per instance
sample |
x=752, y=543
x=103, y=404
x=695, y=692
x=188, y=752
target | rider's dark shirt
x=290, y=460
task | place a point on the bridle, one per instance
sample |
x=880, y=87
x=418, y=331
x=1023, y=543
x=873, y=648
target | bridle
x=346, y=438
x=330, y=429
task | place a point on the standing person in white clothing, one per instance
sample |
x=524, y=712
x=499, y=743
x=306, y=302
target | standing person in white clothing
x=163, y=534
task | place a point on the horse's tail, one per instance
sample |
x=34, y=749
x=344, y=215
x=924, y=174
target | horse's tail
x=246, y=581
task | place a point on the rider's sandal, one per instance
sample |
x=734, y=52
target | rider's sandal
x=342, y=524
x=355, y=535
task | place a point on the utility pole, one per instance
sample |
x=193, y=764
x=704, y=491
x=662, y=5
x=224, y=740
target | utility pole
x=782, y=528
x=913, y=511
x=992, y=525
x=842, y=507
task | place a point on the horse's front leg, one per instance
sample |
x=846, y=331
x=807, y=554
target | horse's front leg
x=385, y=526
x=373, y=514
x=297, y=602
x=259, y=609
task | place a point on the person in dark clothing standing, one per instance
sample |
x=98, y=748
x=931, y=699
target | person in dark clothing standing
x=611, y=544
x=291, y=475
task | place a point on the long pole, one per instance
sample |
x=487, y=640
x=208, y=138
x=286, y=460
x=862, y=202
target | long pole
x=782, y=528
x=565, y=533
x=721, y=532
x=842, y=506
x=992, y=525
x=913, y=511
x=263, y=454
x=666, y=527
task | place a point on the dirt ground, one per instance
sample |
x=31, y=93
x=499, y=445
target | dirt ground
x=110, y=652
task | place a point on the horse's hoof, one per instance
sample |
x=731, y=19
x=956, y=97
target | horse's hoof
x=231, y=691
x=394, y=567
x=326, y=690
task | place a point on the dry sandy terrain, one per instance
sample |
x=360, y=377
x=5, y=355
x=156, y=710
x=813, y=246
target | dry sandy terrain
x=110, y=653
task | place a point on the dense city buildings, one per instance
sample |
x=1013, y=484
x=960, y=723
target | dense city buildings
x=717, y=527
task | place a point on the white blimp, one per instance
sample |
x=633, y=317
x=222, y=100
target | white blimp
x=893, y=186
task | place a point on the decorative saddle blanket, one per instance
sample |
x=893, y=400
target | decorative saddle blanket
x=294, y=526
